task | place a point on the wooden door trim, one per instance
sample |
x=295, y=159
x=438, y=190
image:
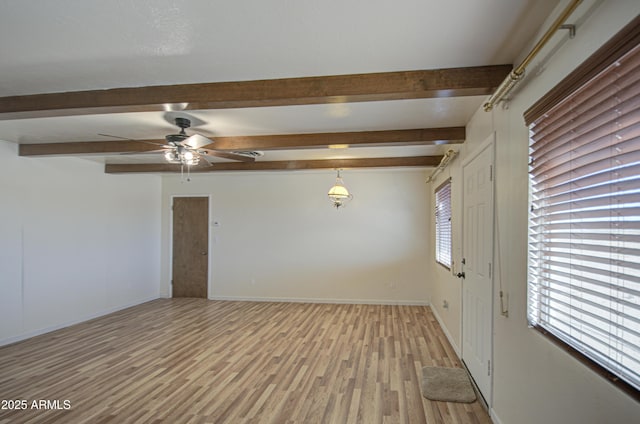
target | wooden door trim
x=489, y=142
x=209, y=242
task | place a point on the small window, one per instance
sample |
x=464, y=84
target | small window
x=584, y=226
x=443, y=224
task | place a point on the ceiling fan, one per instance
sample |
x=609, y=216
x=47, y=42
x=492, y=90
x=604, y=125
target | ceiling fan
x=184, y=149
x=189, y=150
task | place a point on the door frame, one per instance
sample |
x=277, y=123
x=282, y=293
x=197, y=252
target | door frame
x=209, y=242
x=489, y=142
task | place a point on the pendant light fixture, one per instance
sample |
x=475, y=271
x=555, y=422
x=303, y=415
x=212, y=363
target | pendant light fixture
x=338, y=194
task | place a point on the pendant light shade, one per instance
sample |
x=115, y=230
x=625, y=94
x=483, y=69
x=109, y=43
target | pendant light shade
x=338, y=194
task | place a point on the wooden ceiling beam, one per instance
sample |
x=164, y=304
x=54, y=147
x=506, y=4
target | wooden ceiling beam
x=452, y=82
x=413, y=161
x=422, y=136
x=89, y=148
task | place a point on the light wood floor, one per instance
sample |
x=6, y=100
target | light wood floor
x=200, y=361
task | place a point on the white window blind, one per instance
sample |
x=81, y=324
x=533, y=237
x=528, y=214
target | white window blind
x=584, y=231
x=443, y=224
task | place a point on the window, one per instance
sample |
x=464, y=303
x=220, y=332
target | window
x=584, y=227
x=443, y=223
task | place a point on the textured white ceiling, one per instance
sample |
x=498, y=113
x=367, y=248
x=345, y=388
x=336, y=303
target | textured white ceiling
x=70, y=45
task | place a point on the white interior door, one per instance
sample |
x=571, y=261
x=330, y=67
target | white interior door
x=477, y=251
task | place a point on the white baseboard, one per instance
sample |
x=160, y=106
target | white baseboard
x=321, y=300
x=30, y=334
x=446, y=333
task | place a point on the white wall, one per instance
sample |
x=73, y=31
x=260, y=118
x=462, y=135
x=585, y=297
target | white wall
x=534, y=381
x=280, y=238
x=75, y=243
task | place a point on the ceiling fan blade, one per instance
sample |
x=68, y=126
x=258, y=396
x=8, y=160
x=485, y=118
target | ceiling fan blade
x=161, y=145
x=154, y=143
x=196, y=141
x=229, y=155
x=114, y=136
x=145, y=152
x=207, y=160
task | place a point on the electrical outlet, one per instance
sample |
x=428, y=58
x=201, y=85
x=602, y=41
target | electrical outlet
x=445, y=304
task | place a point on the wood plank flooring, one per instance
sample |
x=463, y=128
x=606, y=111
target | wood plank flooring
x=201, y=361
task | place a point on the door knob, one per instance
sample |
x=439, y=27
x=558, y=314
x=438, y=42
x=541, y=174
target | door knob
x=203, y=253
x=460, y=274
